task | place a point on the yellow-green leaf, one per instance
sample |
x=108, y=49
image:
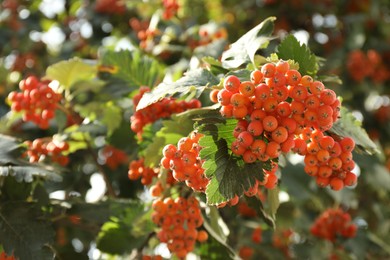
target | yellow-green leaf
x=71, y=71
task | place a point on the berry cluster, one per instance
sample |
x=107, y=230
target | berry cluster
x=207, y=34
x=112, y=157
x=37, y=100
x=161, y=109
x=4, y=256
x=142, y=31
x=179, y=220
x=362, y=65
x=279, y=111
x=282, y=239
x=246, y=252
x=185, y=163
x=170, y=9
x=152, y=257
x=110, y=6
x=257, y=235
x=137, y=169
x=275, y=105
x=42, y=148
x=328, y=160
x=333, y=223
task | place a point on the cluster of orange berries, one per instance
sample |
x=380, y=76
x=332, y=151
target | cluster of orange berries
x=257, y=235
x=185, y=163
x=170, y=9
x=152, y=257
x=42, y=148
x=207, y=34
x=329, y=161
x=4, y=256
x=282, y=239
x=275, y=105
x=333, y=223
x=179, y=220
x=112, y=157
x=110, y=6
x=279, y=111
x=161, y=109
x=37, y=100
x=362, y=65
x=137, y=169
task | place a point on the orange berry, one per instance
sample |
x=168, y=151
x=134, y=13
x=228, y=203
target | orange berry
x=247, y=88
x=270, y=123
x=232, y=83
x=256, y=77
x=202, y=236
x=268, y=70
x=273, y=149
x=336, y=184
x=280, y=134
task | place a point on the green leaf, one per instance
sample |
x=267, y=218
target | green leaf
x=115, y=238
x=229, y=175
x=108, y=114
x=348, y=125
x=214, y=49
x=243, y=74
x=193, y=81
x=291, y=49
x=273, y=201
x=128, y=230
x=133, y=67
x=25, y=232
x=61, y=119
x=244, y=49
x=112, y=117
x=71, y=71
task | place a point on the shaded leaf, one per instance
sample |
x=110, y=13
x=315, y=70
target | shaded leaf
x=15, y=190
x=348, y=125
x=291, y=49
x=229, y=176
x=216, y=245
x=10, y=149
x=27, y=173
x=128, y=230
x=192, y=81
x=24, y=231
x=256, y=204
x=71, y=71
x=244, y=49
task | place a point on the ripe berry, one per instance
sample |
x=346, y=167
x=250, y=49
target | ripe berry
x=232, y=83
